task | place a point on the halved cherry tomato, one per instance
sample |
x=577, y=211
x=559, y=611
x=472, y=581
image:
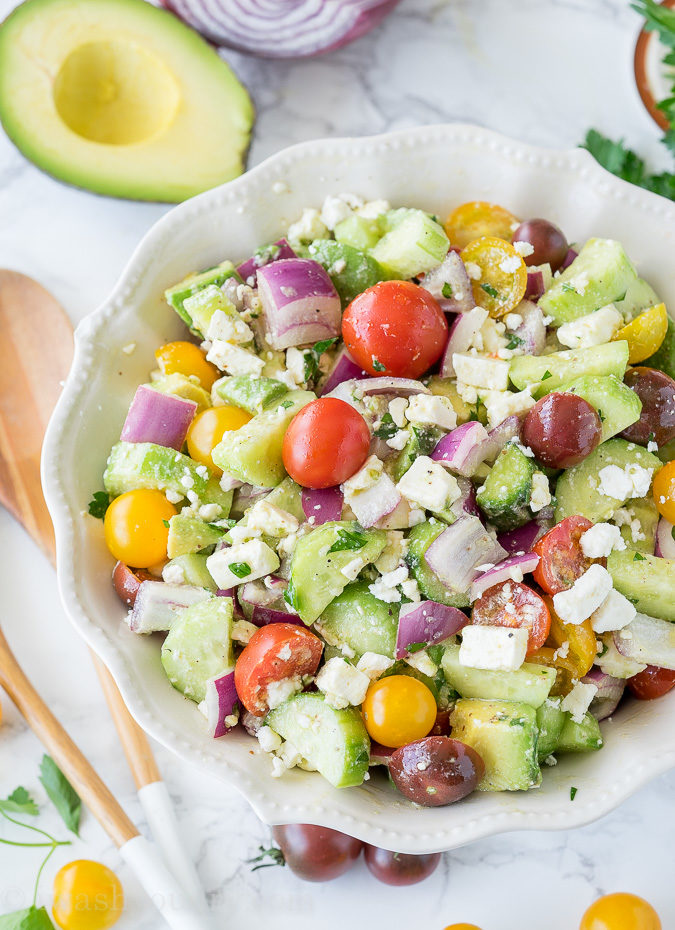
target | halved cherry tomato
x=478, y=218
x=645, y=333
x=136, y=527
x=498, y=274
x=652, y=683
x=582, y=647
x=663, y=490
x=395, y=328
x=620, y=911
x=561, y=560
x=513, y=604
x=209, y=427
x=566, y=669
x=326, y=443
x=274, y=652
x=398, y=709
x=187, y=359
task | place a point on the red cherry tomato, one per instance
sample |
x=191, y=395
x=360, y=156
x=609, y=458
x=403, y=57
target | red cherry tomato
x=394, y=868
x=274, y=652
x=316, y=854
x=561, y=560
x=513, y=604
x=395, y=328
x=326, y=443
x=652, y=683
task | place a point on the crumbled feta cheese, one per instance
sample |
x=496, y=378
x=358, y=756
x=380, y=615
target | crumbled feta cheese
x=228, y=328
x=393, y=553
x=625, y=483
x=308, y=227
x=600, y=540
x=502, y=404
x=373, y=664
x=282, y=690
x=624, y=517
x=337, y=267
x=540, y=495
x=585, y=596
x=615, y=612
x=334, y=211
x=129, y=349
x=385, y=587
x=295, y=365
x=278, y=767
x=342, y=684
x=187, y=481
x=652, y=446
x=431, y=410
x=523, y=248
x=398, y=440
x=473, y=270
x=467, y=392
x=271, y=520
x=429, y=485
x=422, y=662
x=397, y=408
x=594, y=329
x=411, y=590
x=366, y=477
x=352, y=569
x=210, y=512
x=269, y=740
x=280, y=187
x=373, y=208
x=513, y=320
x=173, y=574
x=286, y=545
x=254, y=554
x=579, y=700
x=511, y=264
x=493, y=647
x=242, y=631
x=489, y=373
x=233, y=359
x=173, y=497
x=241, y=533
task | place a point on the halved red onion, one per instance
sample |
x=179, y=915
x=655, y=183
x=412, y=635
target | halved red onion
x=522, y=539
x=323, y=504
x=503, y=433
x=515, y=565
x=156, y=604
x=647, y=640
x=569, y=258
x=609, y=693
x=466, y=502
x=279, y=250
x=451, y=274
x=262, y=616
x=462, y=332
x=300, y=303
x=261, y=593
x=282, y=28
x=532, y=330
x=426, y=622
x=160, y=418
x=222, y=701
x=401, y=387
x=463, y=449
x=455, y=553
x=344, y=369
x=665, y=541
x=375, y=503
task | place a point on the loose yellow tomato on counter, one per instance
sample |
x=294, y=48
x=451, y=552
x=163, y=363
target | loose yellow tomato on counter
x=185, y=358
x=663, y=490
x=462, y=927
x=620, y=912
x=645, y=333
x=498, y=274
x=478, y=218
x=209, y=427
x=398, y=710
x=87, y=896
x=136, y=527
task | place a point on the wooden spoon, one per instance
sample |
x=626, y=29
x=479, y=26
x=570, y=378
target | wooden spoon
x=31, y=320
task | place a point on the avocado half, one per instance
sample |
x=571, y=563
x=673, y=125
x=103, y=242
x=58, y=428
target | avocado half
x=121, y=98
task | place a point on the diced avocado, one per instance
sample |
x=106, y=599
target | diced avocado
x=415, y=245
x=530, y=684
x=133, y=465
x=188, y=287
x=616, y=404
x=599, y=275
x=249, y=393
x=580, y=737
x=667, y=453
x=646, y=580
x=317, y=572
x=188, y=533
x=351, y=270
x=359, y=232
x=360, y=621
x=181, y=386
x=504, y=734
x=422, y=441
x=421, y=537
x=199, y=646
x=664, y=357
x=642, y=509
x=550, y=372
x=193, y=566
x=550, y=722
x=287, y=496
x=505, y=496
x=201, y=306
x=639, y=296
x=577, y=488
x=334, y=742
x=445, y=387
x=252, y=453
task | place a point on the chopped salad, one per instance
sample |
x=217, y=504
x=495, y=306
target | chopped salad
x=404, y=496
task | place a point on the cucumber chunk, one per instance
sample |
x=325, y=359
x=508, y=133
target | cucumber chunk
x=188, y=533
x=599, y=275
x=358, y=271
x=195, y=572
x=358, y=232
x=616, y=404
x=550, y=723
x=640, y=533
x=249, y=393
x=133, y=465
x=202, y=305
x=316, y=573
x=550, y=372
x=504, y=734
x=505, y=496
x=647, y=581
x=639, y=296
x=530, y=684
x=421, y=537
x=217, y=276
x=664, y=357
x=358, y=620
x=580, y=737
x=199, y=646
x=415, y=245
x=422, y=441
x=334, y=742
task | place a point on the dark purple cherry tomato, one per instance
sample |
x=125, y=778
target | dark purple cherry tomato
x=436, y=770
x=316, y=854
x=656, y=390
x=394, y=868
x=562, y=429
x=546, y=239
x=652, y=682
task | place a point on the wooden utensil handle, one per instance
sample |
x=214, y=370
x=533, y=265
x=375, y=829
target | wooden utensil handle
x=63, y=750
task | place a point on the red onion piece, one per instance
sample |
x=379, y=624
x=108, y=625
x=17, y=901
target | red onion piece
x=532, y=330
x=299, y=301
x=665, y=543
x=344, y=369
x=451, y=272
x=156, y=604
x=462, y=331
x=324, y=504
x=261, y=594
x=222, y=701
x=522, y=538
x=401, y=387
x=504, y=571
x=535, y=285
x=232, y=593
x=262, y=616
x=282, y=28
x=466, y=502
x=569, y=258
x=455, y=553
x=160, y=418
x=426, y=622
x=279, y=250
x=647, y=640
x=609, y=693
x=251, y=723
x=463, y=449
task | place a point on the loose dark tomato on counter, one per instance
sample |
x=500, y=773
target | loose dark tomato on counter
x=316, y=854
x=394, y=868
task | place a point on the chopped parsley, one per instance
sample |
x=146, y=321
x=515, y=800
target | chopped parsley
x=312, y=357
x=415, y=647
x=490, y=291
x=348, y=540
x=638, y=557
x=387, y=427
x=240, y=569
x=166, y=523
x=377, y=364
x=514, y=341
x=446, y=290
x=99, y=504
x=672, y=532
x=569, y=287
x=285, y=404
x=602, y=419
x=573, y=793
x=547, y=374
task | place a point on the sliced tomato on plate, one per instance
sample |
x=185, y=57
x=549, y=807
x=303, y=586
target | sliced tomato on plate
x=513, y=604
x=561, y=559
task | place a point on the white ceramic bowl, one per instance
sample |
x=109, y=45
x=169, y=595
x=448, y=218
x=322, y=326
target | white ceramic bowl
x=434, y=168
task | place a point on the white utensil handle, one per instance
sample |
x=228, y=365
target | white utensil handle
x=161, y=820
x=168, y=897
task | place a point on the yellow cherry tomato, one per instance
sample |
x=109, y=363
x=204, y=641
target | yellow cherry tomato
x=209, y=427
x=398, y=709
x=663, y=490
x=187, y=359
x=645, y=333
x=477, y=219
x=87, y=896
x=620, y=912
x=135, y=527
x=498, y=274
x=462, y=927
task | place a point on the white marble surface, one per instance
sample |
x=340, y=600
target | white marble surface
x=541, y=70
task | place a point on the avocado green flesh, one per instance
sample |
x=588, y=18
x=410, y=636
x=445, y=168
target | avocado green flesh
x=358, y=270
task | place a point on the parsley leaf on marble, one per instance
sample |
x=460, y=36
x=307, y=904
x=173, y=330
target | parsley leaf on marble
x=61, y=793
